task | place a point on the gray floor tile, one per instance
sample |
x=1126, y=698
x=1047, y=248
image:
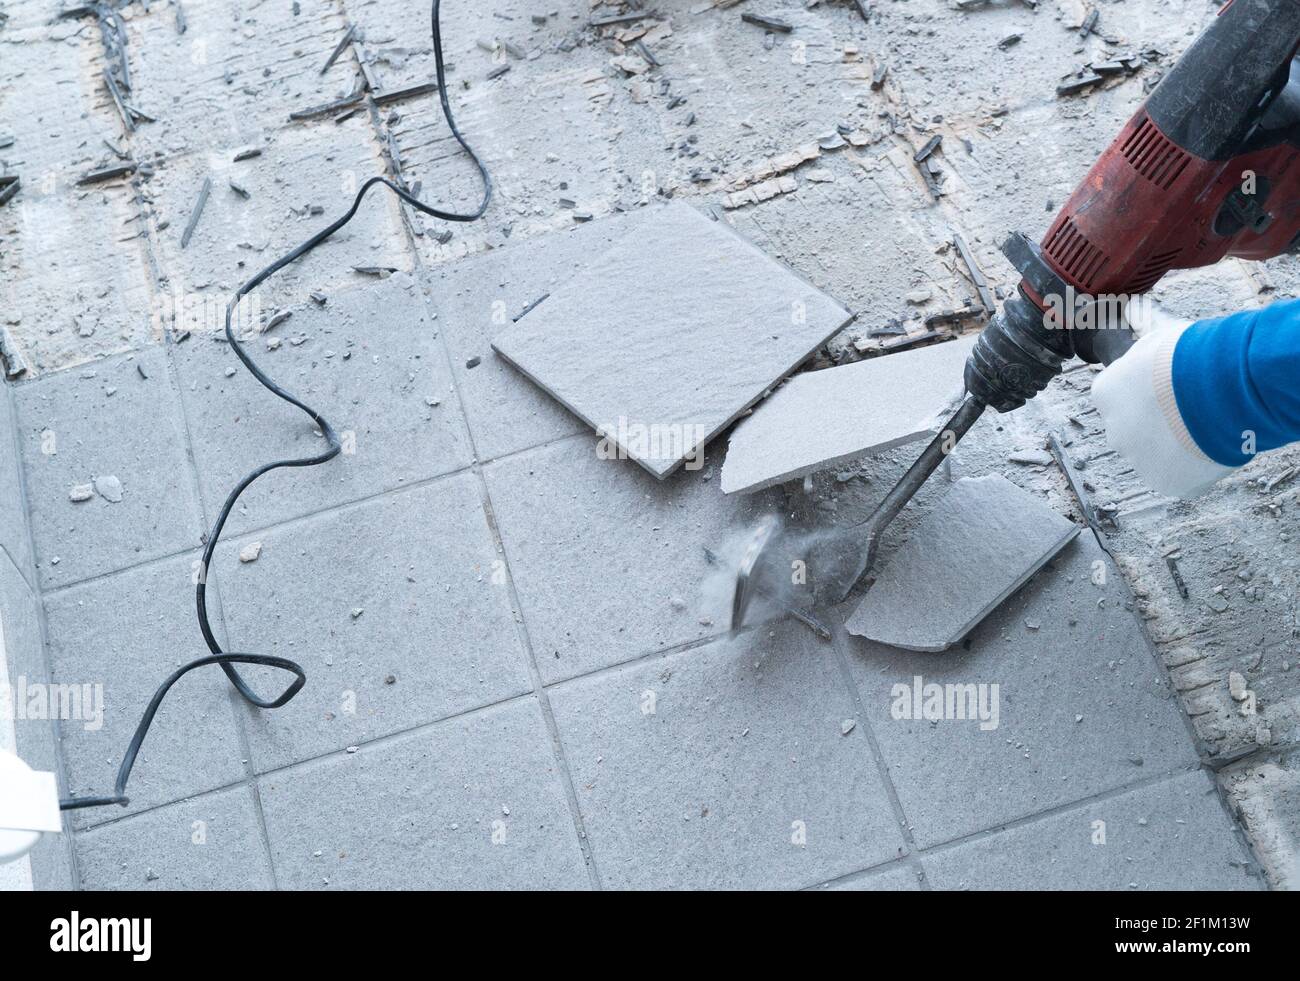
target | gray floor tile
x=983, y=541
x=106, y=420
x=878, y=403
x=599, y=550
x=370, y=363
x=23, y=653
x=477, y=298
x=668, y=336
x=472, y=803
x=14, y=536
x=1081, y=707
x=210, y=842
x=127, y=632
x=725, y=766
x=1171, y=835
x=402, y=587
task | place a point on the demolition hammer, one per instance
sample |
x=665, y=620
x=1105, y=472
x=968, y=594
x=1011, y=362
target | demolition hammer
x=1206, y=168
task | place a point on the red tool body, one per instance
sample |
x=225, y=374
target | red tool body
x=1148, y=206
x=1206, y=168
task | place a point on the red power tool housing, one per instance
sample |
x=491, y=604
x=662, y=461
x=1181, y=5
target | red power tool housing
x=1206, y=168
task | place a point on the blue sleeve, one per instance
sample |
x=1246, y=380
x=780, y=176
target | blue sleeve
x=1237, y=374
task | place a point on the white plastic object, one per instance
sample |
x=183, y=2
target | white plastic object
x=29, y=805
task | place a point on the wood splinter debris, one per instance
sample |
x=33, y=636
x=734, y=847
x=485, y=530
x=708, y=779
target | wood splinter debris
x=350, y=99
x=204, y=191
x=619, y=19
x=1079, y=84
x=14, y=365
x=107, y=174
x=953, y=316
x=1179, y=583
x=976, y=274
x=932, y=144
x=770, y=23
x=338, y=48
x=409, y=92
x=116, y=94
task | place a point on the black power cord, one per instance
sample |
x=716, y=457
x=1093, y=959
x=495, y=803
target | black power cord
x=218, y=656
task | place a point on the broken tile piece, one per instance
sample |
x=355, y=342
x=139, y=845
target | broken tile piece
x=109, y=488
x=978, y=546
x=820, y=419
x=669, y=336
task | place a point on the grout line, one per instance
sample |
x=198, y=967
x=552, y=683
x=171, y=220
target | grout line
x=329, y=754
x=912, y=858
x=521, y=628
x=543, y=696
x=92, y=829
x=391, y=737
x=290, y=522
x=867, y=872
x=1163, y=776
x=419, y=727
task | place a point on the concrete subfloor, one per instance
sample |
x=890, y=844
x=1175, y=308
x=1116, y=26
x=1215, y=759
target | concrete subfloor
x=519, y=674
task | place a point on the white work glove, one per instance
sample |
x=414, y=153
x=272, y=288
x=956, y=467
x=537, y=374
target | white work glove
x=1135, y=397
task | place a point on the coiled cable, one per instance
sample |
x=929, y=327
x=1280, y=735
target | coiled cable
x=226, y=659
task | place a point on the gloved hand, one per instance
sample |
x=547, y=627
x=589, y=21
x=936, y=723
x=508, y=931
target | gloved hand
x=1135, y=397
x=1190, y=402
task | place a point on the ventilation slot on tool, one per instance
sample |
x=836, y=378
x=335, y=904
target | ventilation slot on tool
x=1154, y=156
x=1149, y=272
x=1079, y=261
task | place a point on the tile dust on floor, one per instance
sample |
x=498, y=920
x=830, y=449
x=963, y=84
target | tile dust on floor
x=517, y=631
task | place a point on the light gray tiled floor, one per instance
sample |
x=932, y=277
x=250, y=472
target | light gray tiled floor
x=397, y=607
x=518, y=674
x=209, y=842
x=127, y=632
x=119, y=418
x=369, y=361
x=482, y=720
x=600, y=551
x=1081, y=707
x=1173, y=834
x=725, y=766
x=471, y=803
